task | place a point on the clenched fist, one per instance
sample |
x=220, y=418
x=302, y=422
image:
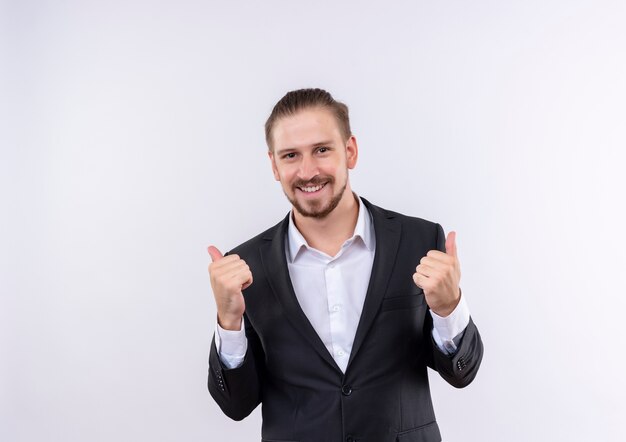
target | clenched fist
x=438, y=274
x=229, y=276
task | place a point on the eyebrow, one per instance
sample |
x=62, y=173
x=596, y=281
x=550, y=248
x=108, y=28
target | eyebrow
x=291, y=149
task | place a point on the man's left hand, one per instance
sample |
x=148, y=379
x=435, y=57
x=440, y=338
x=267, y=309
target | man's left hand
x=438, y=274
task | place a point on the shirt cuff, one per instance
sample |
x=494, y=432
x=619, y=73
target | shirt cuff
x=231, y=345
x=447, y=331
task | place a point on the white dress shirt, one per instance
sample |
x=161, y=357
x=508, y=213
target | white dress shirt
x=331, y=292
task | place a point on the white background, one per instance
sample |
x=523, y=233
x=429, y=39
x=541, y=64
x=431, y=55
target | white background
x=132, y=137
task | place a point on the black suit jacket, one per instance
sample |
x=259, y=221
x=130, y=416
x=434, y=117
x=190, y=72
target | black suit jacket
x=384, y=394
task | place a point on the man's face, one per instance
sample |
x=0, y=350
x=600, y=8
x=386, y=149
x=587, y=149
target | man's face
x=311, y=161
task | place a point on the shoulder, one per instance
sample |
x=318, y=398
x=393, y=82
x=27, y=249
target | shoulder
x=411, y=222
x=251, y=246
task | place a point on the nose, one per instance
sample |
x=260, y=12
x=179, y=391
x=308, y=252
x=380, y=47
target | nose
x=308, y=168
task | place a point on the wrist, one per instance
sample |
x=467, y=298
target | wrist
x=446, y=310
x=443, y=312
x=229, y=322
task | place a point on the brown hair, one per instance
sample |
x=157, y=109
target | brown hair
x=300, y=99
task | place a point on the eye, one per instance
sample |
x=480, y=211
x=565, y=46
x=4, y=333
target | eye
x=323, y=149
x=289, y=155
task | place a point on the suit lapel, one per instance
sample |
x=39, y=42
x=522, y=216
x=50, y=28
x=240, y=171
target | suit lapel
x=387, y=231
x=277, y=272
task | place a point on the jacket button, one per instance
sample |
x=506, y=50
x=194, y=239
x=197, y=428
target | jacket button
x=461, y=364
x=346, y=390
x=350, y=439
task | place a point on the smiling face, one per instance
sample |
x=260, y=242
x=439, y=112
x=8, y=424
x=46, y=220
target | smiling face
x=311, y=161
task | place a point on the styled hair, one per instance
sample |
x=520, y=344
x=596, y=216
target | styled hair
x=295, y=101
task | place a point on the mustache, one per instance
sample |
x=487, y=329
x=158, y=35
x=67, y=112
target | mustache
x=315, y=181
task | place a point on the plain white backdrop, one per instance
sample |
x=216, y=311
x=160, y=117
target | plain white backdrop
x=132, y=137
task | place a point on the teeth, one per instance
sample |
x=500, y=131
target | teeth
x=312, y=189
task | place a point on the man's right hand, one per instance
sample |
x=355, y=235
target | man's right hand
x=229, y=276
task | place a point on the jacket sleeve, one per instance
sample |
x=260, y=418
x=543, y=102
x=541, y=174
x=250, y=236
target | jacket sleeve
x=237, y=390
x=459, y=369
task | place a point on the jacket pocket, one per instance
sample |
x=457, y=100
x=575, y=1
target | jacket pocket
x=413, y=300
x=423, y=433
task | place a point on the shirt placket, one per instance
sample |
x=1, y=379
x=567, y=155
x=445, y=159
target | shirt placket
x=336, y=312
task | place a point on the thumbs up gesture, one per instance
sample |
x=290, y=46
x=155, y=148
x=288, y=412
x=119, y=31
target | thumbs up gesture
x=229, y=275
x=438, y=274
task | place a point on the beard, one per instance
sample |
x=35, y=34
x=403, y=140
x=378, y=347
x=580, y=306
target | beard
x=316, y=209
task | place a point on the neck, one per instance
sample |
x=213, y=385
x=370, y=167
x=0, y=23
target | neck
x=329, y=233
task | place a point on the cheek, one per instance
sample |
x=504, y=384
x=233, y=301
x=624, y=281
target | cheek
x=341, y=172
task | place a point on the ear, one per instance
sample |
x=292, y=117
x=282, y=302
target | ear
x=352, y=152
x=273, y=162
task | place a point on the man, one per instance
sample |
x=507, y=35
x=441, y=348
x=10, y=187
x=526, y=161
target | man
x=331, y=317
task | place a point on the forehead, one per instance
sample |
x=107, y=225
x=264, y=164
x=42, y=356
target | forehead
x=305, y=128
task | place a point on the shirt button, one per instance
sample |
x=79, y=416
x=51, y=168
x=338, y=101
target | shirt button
x=336, y=308
x=340, y=353
x=346, y=390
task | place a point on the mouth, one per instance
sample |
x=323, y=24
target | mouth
x=312, y=190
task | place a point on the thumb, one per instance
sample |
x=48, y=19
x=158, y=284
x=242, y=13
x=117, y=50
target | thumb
x=451, y=244
x=216, y=255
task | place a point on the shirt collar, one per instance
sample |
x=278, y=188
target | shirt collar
x=363, y=229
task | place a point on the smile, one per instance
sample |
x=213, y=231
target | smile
x=312, y=189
